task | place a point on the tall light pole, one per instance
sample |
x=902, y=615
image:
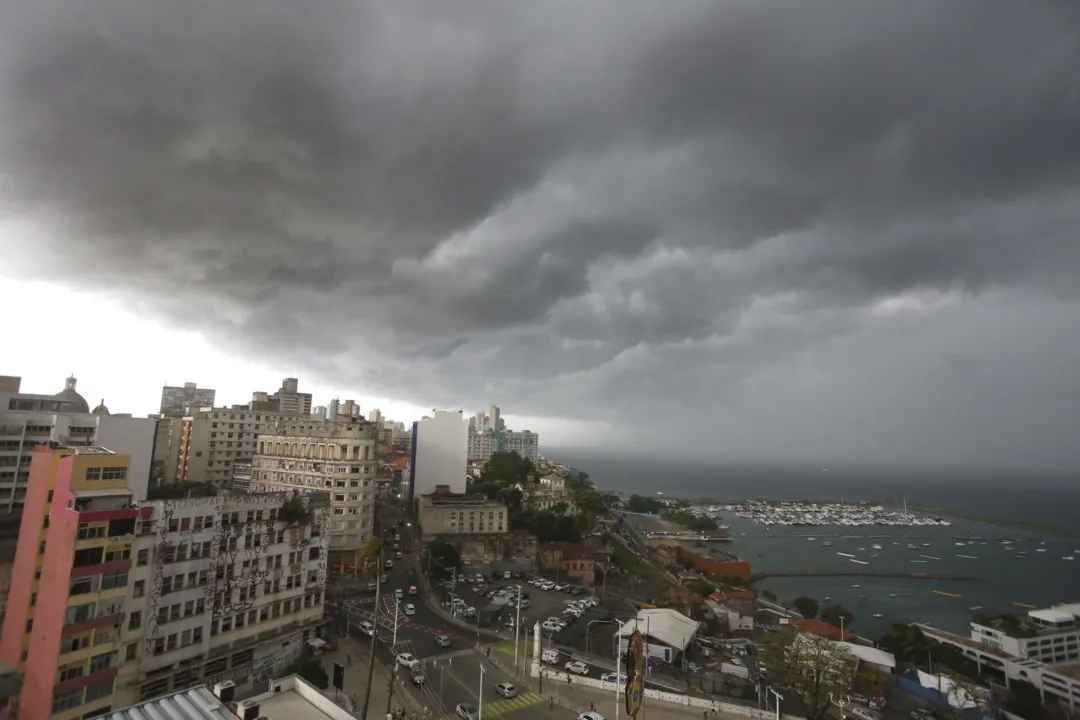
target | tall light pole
x=374, y=634
x=480, y=696
x=393, y=654
x=517, y=626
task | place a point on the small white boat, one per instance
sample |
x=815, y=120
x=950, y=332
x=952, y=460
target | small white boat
x=876, y=546
x=811, y=539
x=1067, y=557
x=878, y=615
x=855, y=586
x=848, y=555
x=1040, y=549
x=975, y=607
x=861, y=562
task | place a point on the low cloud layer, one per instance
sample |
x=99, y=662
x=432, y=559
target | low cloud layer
x=838, y=229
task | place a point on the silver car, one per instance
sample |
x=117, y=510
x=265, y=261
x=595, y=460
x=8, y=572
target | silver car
x=506, y=690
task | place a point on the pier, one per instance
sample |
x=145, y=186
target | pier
x=856, y=573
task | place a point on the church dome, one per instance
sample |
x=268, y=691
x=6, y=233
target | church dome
x=100, y=409
x=74, y=401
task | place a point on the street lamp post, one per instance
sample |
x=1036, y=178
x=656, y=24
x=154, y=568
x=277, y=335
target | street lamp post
x=778, y=697
x=480, y=696
x=517, y=626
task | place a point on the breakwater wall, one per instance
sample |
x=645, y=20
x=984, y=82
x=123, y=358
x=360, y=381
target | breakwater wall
x=855, y=573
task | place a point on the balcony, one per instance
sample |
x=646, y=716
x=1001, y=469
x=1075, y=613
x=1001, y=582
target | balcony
x=110, y=615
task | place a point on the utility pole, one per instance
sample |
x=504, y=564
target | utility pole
x=517, y=626
x=374, y=636
x=480, y=696
x=393, y=659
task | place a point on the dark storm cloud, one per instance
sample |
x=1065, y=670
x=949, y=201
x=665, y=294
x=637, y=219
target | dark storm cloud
x=576, y=209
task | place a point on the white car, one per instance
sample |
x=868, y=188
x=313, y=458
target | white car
x=398, y=594
x=551, y=657
x=862, y=713
x=551, y=627
x=613, y=678
x=548, y=586
x=467, y=711
x=506, y=689
x=590, y=716
x=442, y=640
x=578, y=668
x=410, y=609
x=408, y=660
x=367, y=628
x=524, y=604
x=562, y=587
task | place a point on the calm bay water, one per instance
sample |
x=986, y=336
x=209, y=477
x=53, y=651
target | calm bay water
x=1002, y=577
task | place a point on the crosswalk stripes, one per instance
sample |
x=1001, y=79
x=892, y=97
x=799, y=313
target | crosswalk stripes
x=502, y=707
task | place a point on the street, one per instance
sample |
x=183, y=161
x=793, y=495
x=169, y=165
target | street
x=457, y=680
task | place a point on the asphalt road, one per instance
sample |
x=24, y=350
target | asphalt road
x=457, y=680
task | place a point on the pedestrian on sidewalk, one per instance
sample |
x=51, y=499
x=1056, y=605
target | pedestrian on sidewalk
x=592, y=707
x=551, y=702
x=348, y=659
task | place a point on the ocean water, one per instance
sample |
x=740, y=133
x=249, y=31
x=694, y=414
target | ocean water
x=1000, y=577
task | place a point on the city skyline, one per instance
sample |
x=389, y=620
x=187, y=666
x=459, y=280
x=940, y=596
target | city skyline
x=859, y=245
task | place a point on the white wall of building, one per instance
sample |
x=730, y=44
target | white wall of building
x=441, y=456
x=134, y=437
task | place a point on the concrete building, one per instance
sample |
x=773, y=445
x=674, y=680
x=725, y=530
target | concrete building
x=479, y=528
x=206, y=445
x=223, y=589
x=288, y=400
x=338, y=458
x=482, y=445
x=114, y=601
x=439, y=446
x=333, y=409
x=1044, y=650
x=319, y=412
x=176, y=400
x=569, y=562
x=69, y=593
x=29, y=419
x=546, y=500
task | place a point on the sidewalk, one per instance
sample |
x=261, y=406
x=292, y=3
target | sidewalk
x=580, y=698
x=353, y=656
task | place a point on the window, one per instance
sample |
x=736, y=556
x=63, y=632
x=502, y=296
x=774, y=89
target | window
x=131, y=651
x=135, y=620
x=69, y=673
x=99, y=690
x=111, y=581
x=114, y=473
x=79, y=613
x=66, y=701
x=143, y=558
x=83, y=585
x=102, y=662
x=93, y=474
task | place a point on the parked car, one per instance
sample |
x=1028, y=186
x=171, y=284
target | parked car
x=862, y=713
x=372, y=587
x=562, y=587
x=467, y=711
x=551, y=627
x=410, y=609
x=506, y=690
x=551, y=657
x=408, y=660
x=922, y=714
x=506, y=576
x=590, y=716
x=576, y=667
x=524, y=604
x=612, y=677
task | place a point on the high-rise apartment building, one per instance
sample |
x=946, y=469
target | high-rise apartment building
x=494, y=419
x=69, y=594
x=482, y=445
x=207, y=445
x=116, y=601
x=439, y=445
x=288, y=400
x=338, y=458
x=375, y=416
x=176, y=400
x=29, y=419
x=333, y=409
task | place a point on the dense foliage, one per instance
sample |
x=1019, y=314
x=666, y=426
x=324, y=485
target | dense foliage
x=442, y=558
x=832, y=614
x=690, y=521
x=807, y=606
x=815, y=668
x=642, y=504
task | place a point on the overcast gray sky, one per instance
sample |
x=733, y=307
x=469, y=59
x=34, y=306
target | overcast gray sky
x=757, y=229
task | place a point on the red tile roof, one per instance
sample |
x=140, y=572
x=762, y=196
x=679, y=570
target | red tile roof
x=821, y=629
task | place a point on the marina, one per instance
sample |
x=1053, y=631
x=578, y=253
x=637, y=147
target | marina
x=813, y=514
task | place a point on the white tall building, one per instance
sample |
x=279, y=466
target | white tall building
x=177, y=399
x=440, y=453
x=482, y=445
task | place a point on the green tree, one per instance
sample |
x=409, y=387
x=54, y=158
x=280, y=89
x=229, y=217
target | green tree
x=442, y=558
x=311, y=670
x=807, y=606
x=369, y=551
x=560, y=508
x=641, y=504
x=507, y=468
x=588, y=501
x=815, y=668
x=768, y=595
x=907, y=643
x=832, y=614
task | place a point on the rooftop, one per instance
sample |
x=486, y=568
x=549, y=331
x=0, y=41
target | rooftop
x=194, y=704
x=448, y=498
x=666, y=625
x=1070, y=670
x=822, y=629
